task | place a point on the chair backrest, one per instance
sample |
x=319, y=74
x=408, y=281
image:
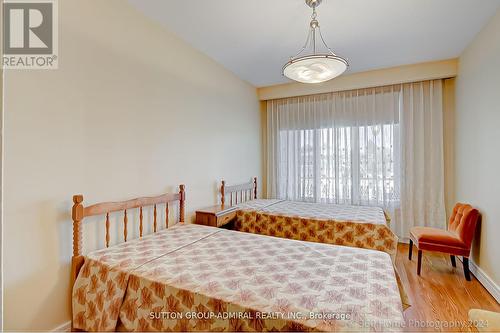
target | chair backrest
x=463, y=222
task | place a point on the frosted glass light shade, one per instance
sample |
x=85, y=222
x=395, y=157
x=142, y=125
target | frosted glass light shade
x=315, y=68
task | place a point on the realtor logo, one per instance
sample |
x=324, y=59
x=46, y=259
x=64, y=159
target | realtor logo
x=30, y=34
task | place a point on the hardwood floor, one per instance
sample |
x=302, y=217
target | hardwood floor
x=441, y=293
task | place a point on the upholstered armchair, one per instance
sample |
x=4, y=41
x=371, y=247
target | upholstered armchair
x=456, y=241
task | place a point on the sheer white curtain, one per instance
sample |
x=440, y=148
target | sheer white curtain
x=422, y=157
x=347, y=148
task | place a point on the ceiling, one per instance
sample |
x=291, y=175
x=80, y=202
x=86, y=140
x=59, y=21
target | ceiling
x=254, y=38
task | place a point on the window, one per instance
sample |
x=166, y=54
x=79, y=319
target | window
x=347, y=165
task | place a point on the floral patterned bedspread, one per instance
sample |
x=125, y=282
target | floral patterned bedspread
x=356, y=226
x=360, y=214
x=197, y=278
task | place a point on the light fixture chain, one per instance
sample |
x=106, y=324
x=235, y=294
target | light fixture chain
x=314, y=24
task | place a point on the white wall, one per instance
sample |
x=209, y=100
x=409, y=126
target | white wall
x=131, y=111
x=477, y=140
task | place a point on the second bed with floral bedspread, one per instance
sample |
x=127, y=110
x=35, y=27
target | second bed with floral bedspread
x=355, y=226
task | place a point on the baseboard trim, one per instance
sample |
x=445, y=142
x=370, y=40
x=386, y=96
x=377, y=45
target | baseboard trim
x=66, y=327
x=485, y=280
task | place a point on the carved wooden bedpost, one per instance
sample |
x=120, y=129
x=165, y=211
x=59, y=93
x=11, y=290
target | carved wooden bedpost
x=77, y=259
x=255, y=187
x=222, y=188
x=77, y=216
x=182, y=194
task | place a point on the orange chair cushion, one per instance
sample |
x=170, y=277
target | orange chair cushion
x=433, y=239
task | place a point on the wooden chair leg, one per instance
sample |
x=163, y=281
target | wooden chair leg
x=453, y=262
x=466, y=268
x=419, y=261
x=410, y=249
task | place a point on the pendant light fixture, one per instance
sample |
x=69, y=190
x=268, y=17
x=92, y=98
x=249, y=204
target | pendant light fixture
x=314, y=67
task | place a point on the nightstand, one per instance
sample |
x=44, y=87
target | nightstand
x=215, y=216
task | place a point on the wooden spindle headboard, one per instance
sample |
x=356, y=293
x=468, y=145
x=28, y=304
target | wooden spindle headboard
x=79, y=212
x=246, y=191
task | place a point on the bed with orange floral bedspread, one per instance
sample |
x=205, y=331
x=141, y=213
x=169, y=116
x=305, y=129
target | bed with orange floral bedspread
x=356, y=226
x=197, y=278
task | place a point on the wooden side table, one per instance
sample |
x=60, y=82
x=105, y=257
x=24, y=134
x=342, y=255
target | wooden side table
x=215, y=216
